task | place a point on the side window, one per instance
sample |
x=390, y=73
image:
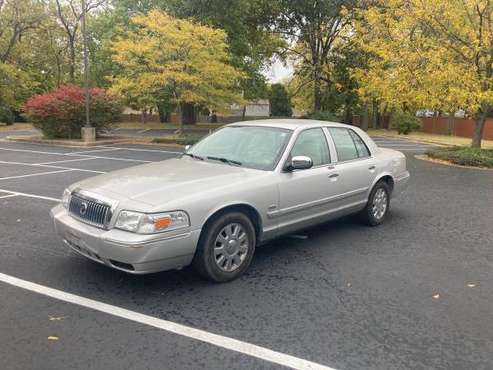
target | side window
x=345, y=147
x=360, y=145
x=312, y=143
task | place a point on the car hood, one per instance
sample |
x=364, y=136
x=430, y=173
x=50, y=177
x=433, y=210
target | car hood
x=158, y=182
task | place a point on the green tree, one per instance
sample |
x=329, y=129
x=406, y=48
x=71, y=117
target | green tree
x=69, y=14
x=247, y=25
x=17, y=17
x=313, y=30
x=184, y=59
x=15, y=88
x=436, y=55
x=280, y=103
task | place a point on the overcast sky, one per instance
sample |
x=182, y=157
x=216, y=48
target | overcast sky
x=278, y=71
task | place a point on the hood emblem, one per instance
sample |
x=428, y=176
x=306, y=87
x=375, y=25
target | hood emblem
x=83, y=209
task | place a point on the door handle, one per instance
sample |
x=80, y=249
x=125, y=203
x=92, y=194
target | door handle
x=334, y=176
x=372, y=168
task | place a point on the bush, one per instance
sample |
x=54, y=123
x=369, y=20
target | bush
x=324, y=116
x=280, y=103
x=464, y=156
x=61, y=113
x=405, y=122
x=6, y=115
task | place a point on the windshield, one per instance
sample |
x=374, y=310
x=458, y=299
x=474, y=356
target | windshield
x=247, y=146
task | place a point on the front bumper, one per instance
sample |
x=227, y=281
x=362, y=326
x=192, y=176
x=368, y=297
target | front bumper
x=129, y=252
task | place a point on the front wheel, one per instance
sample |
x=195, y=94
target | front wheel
x=225, y=248
x=378, y=204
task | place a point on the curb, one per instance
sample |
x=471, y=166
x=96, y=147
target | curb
x=40, y=140
x=426, y=158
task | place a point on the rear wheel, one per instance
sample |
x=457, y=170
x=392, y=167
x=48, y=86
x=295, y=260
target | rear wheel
x=226, y=247
x=378, y=204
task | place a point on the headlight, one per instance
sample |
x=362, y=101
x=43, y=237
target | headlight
x=66, y=198
x=151, y=223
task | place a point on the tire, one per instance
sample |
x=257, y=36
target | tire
x=226, y=247
x=378, y=204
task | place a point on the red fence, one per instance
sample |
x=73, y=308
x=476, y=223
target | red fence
x=461, y=127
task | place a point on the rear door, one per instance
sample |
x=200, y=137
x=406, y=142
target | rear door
x=353, y=170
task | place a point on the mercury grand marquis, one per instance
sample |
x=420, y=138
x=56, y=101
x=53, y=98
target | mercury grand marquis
x=244, y=184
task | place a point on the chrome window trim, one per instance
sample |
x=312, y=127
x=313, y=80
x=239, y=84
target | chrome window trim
x=372, y=156
x=291, y=144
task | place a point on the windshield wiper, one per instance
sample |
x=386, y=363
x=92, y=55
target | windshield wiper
x=225, y=160
x=194, y=156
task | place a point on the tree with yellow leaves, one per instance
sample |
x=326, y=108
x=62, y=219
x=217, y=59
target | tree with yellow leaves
x=184, y=61
x=430, y=54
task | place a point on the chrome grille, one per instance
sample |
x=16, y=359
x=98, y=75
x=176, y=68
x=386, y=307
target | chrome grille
x=89, y=211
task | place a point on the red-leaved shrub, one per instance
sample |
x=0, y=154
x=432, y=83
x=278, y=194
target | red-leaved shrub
x=61, y=113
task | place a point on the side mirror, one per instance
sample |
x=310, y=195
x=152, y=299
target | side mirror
x=299, y=162
x=187, y=147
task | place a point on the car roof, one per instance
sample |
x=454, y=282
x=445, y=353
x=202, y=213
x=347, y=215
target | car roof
x=288, y=123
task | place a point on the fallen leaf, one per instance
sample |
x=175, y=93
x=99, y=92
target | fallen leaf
x=471, y=285
x=436, y=296
x=53, y=338
x=349, y=285
x=19, y=220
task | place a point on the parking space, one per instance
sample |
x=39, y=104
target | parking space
x=413, y=293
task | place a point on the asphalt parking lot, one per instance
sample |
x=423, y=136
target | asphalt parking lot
x=414, y=293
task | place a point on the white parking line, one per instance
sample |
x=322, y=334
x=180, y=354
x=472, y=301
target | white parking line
x=31, y=151
x=34, y=174
x=79, y=155
x=114, y=158
x=104, y=147
x=8, y=196
x=169, y=326
x=68, y=160
x=148, y=150
x=93, y=151
x=30, y=195
x=49, y=166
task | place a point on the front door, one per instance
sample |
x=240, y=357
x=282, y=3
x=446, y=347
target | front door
x=303, y=194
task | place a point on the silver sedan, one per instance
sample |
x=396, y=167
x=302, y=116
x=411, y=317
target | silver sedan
x=241, y=186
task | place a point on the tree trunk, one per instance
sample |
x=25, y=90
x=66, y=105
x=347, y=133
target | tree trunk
x=450, y=123
x=179, y=114
x=188, y=112
x=374, y=114
x=213, y=117
x=143, y=116
x=243, y=114
x=71, y=71
x=163, y=114
x=348, y=116
x=364, y=118
x=477, y=135
x=317, y=93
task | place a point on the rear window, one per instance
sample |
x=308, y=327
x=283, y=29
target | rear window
x=348, y=144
